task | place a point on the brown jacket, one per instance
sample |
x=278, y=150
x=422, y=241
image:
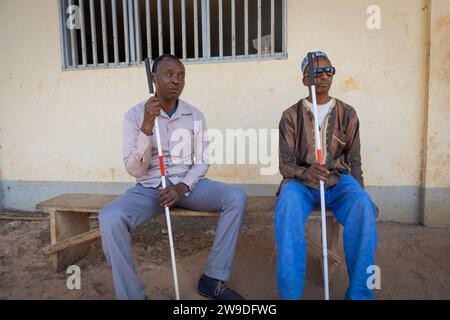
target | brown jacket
x=339, y=137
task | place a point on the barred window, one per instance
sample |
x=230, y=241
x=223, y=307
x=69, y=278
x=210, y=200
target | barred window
x=120, y=33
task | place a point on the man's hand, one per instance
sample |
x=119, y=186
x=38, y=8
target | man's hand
x=171, y=194
x=152, y=109
x=316, y=172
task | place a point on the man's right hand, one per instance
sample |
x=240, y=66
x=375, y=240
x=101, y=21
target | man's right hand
x=152, y=109
x=316, y=172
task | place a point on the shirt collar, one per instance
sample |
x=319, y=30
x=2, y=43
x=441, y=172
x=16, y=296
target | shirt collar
x=309, y=105
x=182, y=109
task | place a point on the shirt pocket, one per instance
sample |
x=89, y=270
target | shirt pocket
x=338, y=143
x=182, y=146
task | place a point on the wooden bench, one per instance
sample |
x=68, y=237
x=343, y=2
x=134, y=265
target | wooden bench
x=71, y=236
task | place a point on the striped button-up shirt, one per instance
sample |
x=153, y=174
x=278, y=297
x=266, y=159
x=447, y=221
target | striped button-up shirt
x=184, y=146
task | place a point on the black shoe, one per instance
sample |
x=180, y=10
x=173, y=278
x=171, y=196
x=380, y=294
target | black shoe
x=216, y=289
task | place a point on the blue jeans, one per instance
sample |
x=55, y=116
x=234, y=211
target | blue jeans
x=353, y=208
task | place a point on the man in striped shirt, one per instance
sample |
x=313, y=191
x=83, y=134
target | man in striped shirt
x=344, y=185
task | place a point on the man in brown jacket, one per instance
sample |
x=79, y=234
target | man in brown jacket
x=299, y=193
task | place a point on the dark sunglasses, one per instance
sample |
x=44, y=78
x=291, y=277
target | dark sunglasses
x=330, y=71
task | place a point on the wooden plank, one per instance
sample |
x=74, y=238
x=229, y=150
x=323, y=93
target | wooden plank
x=82, y=202
x=81, y=238
x=65, y=226
x=77, y=202
x=52, y=220
x=333, y=257
x=333, y=229
x=21, y=218
x=262, y=206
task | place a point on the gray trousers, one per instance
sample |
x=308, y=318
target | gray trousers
x=139, y=204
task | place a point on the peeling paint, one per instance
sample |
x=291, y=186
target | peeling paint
x=40, y=87
x=349, y=84
x=113, y=173
x=402, y=166
x=442, y=23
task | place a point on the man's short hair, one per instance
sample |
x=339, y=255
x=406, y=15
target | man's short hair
x=159, y=59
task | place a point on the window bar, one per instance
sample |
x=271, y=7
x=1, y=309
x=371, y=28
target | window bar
x=160, y=28
x=205, y=29
x=149, y=28
x=183, y=27
x=137, y=36
x=73, y=43
x=83, y=34
x=220, y=28
x=203, y=17
x=233, y=29
x=208, y=30
x=115, y=35
x=64, y=34
x=172, y=37
x=125, y=31
x=272, y=27
x=284, y=12
x=131, y=30
x=195, y=30
x=104, y=34
x=259, y=28
x=93, y=33
x=246, y=28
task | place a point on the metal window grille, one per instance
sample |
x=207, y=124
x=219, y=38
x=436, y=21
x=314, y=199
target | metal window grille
x=120, y=33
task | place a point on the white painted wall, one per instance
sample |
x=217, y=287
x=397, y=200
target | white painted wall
x=67, y=125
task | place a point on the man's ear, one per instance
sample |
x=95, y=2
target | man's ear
x=305, y=81
x=154, y=78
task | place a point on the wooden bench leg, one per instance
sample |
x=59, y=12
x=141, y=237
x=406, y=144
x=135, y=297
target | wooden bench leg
x=333, y=228
x=64, y=225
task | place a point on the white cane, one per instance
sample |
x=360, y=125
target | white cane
x=322, y=187
x=163, y=182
